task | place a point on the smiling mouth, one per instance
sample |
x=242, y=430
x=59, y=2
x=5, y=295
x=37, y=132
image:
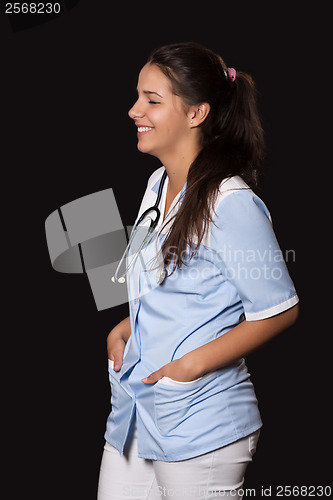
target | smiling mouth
x=141, y=130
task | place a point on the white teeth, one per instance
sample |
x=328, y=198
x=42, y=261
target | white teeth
x=144, y=129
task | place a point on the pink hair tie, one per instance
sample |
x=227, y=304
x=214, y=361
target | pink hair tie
x=232, y=74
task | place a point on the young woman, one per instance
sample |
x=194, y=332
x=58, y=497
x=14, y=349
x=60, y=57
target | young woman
x=209, y=288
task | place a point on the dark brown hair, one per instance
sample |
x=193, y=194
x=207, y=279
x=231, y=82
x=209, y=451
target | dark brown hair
x=231, y=137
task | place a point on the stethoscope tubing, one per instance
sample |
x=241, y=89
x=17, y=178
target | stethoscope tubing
x=146, y=240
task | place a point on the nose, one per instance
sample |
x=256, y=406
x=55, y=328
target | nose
x=135, y=113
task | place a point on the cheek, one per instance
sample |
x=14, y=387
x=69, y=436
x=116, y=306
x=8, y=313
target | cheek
x=159, y=118
x=167, y=116
x=177, y=130
x=171, y=124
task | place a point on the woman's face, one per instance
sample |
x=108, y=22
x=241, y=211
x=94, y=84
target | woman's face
x=162, y=124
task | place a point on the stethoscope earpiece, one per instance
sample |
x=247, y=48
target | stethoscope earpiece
x=118, y=280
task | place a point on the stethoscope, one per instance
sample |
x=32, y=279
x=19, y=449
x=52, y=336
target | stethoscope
x=147, y=214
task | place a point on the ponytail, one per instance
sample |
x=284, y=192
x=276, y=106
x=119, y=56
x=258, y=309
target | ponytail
x=244, y=130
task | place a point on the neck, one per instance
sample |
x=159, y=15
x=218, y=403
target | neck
x=177, y=169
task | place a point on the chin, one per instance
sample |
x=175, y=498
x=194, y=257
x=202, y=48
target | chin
x=144, y=148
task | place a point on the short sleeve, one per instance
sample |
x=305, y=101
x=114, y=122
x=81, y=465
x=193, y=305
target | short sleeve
x=248, y=255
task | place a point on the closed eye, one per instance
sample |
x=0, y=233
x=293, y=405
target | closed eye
x=154, y=102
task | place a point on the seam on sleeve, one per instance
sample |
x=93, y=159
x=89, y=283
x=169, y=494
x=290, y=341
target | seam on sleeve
x=272, y=311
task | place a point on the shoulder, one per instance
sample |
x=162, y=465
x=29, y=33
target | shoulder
x=229, y=186
x=236, y=197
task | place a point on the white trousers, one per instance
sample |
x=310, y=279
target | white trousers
x=217, y=474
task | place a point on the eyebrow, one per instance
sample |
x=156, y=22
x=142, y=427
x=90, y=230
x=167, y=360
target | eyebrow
x=152, y=92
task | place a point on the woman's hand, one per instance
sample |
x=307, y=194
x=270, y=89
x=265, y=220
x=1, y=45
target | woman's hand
x=116, y=347
x=182, y=370
x=116, y=342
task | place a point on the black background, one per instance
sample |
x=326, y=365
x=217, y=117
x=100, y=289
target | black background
x=66, y=86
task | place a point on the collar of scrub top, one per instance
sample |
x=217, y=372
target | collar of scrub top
x=178, y=199
x=160, y=187
x=164, y=225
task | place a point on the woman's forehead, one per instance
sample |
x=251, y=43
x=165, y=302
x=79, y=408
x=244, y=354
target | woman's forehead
x=152, y=79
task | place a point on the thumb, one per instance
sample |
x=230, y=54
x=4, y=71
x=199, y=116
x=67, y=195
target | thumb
x=117, y=361
x=152, y=378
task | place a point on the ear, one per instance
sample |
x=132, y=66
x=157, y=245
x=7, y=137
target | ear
x=198, y=114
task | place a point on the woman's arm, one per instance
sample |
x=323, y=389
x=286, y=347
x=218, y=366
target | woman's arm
x=116, y=342
x=240, y=341
x=235, y=344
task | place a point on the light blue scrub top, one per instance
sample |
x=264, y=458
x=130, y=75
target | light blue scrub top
x=238, y=273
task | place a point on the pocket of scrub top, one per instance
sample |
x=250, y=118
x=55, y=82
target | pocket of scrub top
x=170, y=381
x=176, y=402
